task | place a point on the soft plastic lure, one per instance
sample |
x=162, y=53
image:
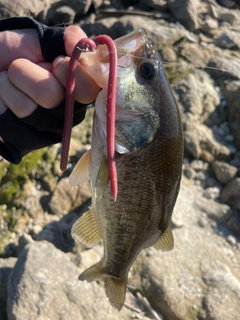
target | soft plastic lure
x=85, y=45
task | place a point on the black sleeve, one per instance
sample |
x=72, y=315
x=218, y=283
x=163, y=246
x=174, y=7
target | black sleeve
x=45, y=126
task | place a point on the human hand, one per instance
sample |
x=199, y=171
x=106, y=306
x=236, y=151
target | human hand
x=26, y=81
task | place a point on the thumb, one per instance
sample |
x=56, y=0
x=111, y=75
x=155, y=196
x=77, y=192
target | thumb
x=86, y=89
x=71, y=36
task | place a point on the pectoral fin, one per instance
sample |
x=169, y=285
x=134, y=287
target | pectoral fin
x=166, y=240
x=102, y=180
x=85, y=229
x=80, y=172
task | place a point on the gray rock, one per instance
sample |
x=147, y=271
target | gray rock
x=227, y=3
x=200, y=143
x=23, y=240
x=223, y=291
x=233, y=223
x=232, y=95
x=224, y=67
x=213, y=209
x=231, y=193
x=44, y=285
x=196, y=94
x=161, y=35
x=209, y=24
x=63, y=14
x=228, y=40
x=186, y=12
x=21, y=8
x=176, y=283
x=79, y=6
x=6, y=266
x=66, y=198
x=211, y=193
x=224, y=172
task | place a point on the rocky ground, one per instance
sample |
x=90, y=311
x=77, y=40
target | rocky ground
x=199, y=42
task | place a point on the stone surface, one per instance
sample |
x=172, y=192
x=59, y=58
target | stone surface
x=6, y=266
x=230, y=193
x=44, y=285
x=200, y=270
x=66, y=198
x=232, y=94
x=185, y=11
x=21, y=8
x=224, y=172
x=199, y=141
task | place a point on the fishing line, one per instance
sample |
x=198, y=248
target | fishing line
x=167, y=63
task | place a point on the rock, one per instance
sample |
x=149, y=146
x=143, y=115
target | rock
x=209, y=24
x=23, y=241
x=231, y=92
x=176, y=283
x=63, y=14
x=44, y=283
x=211, y=193
x=228, y=40
x=161, y=35
x=227, y=3
x=186, y=12
x=230, y=193
x=224, y=68
x=79, y=6
x=223, y=291
x=224, y=172
x=58, y=232
x=230, y=17
x=6, y=266
x=196, y=94
x=213, y=209
x=233, y=223
x=200, y=143
x=21, y=8
x=66, y=198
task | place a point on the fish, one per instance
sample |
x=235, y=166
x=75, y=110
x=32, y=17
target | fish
x=149, y=154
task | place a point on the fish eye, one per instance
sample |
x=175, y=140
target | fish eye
x=148, y=70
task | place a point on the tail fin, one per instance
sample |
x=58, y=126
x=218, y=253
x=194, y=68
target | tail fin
x=115, y=289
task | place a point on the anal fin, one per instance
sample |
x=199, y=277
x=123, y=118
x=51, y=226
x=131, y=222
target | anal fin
x=85, y=229
x=166, y=240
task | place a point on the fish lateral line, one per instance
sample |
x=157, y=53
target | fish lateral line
x=88, y=45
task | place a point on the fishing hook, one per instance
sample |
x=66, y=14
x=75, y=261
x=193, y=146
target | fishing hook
x=85, y=45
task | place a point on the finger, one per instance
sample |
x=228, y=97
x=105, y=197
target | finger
x=19, y=44
x=86, y=90
x=38, y=83
x=20, y=104
x=71, y=36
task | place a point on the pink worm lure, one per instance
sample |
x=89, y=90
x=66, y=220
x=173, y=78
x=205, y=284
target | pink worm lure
x=85, y=45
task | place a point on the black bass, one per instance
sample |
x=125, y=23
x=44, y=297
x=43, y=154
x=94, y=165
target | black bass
x=149, y=147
